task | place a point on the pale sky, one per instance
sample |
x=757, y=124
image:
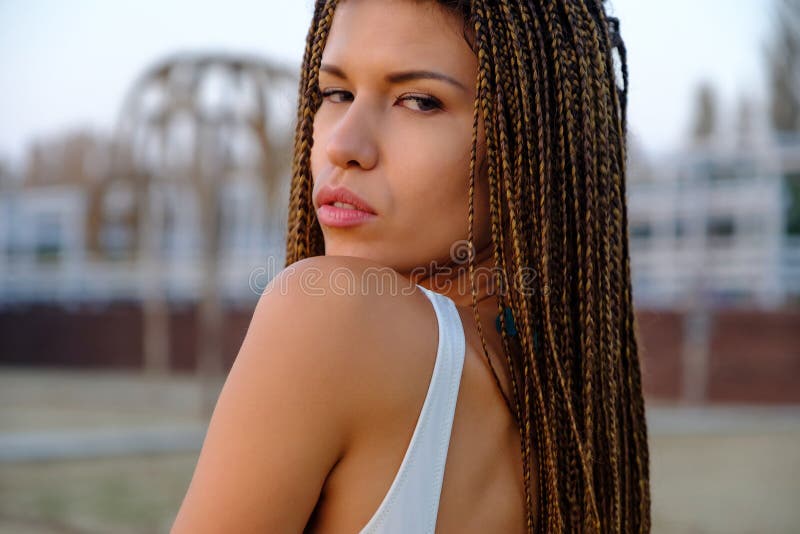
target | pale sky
x=66, y=64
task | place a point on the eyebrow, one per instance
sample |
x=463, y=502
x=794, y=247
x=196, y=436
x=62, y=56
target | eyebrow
x=399, y=77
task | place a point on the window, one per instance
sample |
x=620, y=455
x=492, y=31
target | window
x=47, y=245
x=641, y=230
x=720, y=227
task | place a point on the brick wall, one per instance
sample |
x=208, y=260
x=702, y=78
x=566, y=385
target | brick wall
x=107, y=336
x=753, y=356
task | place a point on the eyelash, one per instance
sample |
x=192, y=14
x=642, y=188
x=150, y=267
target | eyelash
x=428, y=101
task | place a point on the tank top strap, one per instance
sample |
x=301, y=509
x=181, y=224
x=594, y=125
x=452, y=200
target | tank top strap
x=412, y=502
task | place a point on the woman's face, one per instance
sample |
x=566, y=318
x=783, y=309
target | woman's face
x=395, y=128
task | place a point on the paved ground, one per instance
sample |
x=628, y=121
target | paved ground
x=114, y=452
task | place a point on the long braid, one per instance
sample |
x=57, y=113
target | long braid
x=579, y=515
x=517, y=188
x=540, y=410
x=555, y=123
x=494, y=108
x=607, y=446
x=610, y=210
x=494, y=207
x=631, y=369
x=541, y=219
x=576, y=192
x=633, y=409
x=609, y=262
x=304, y=236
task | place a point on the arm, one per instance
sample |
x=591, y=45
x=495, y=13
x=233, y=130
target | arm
x=281, y=421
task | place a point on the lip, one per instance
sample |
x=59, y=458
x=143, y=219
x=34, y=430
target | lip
x=331, y=215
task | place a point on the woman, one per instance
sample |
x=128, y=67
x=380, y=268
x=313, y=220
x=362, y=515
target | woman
x=451, y=345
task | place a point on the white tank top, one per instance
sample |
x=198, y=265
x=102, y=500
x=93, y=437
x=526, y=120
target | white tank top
x=412, y=503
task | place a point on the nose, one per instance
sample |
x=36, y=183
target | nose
x=352, y=141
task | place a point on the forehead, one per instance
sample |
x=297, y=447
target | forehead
x=385, y=34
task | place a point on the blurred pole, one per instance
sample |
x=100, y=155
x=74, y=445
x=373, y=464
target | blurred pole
x=696, y=348
x=206, y=172
x=155, y=311
x=697, y=314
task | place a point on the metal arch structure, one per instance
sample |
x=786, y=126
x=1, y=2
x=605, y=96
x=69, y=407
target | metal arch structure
x=197, y=106
x=195, y=122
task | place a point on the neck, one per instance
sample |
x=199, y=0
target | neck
x=453, y=280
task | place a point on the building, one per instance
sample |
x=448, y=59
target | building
x=47, y=255
x=719, y=226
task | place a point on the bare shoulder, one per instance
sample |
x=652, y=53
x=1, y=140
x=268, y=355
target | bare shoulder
x=342, y=316
x=357, y=309
x=325, y=347
x=376, y=330
x=323, y=284
x=338, y=276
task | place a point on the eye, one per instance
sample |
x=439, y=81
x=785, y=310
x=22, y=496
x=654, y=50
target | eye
x=425, y=104
x=336, y=93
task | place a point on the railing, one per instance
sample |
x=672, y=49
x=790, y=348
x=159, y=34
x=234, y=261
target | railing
x=242, y=277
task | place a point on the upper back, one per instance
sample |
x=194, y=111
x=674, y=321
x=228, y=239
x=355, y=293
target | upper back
x=481, y=487
x=319, y=407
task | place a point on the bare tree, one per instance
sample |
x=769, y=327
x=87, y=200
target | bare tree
x=705, y=120
x=783, y=60
x=745, y=115
x=67, y=158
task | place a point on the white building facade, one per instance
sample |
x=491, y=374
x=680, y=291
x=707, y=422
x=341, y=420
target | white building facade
x=714, y=225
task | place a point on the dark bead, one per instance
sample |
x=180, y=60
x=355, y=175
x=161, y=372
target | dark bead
x=511, y=327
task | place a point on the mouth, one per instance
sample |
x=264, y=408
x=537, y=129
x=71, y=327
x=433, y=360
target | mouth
x=342, y=215
x=344, y=199
x=340, y=207
x=346, y=205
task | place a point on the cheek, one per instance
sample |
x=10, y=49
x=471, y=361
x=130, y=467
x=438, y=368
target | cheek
x=432, y=180
x=435, y=172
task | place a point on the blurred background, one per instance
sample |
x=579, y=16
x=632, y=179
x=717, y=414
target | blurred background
x=144, y=165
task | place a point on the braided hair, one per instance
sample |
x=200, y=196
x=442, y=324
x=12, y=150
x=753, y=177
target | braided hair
x=554, y=113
